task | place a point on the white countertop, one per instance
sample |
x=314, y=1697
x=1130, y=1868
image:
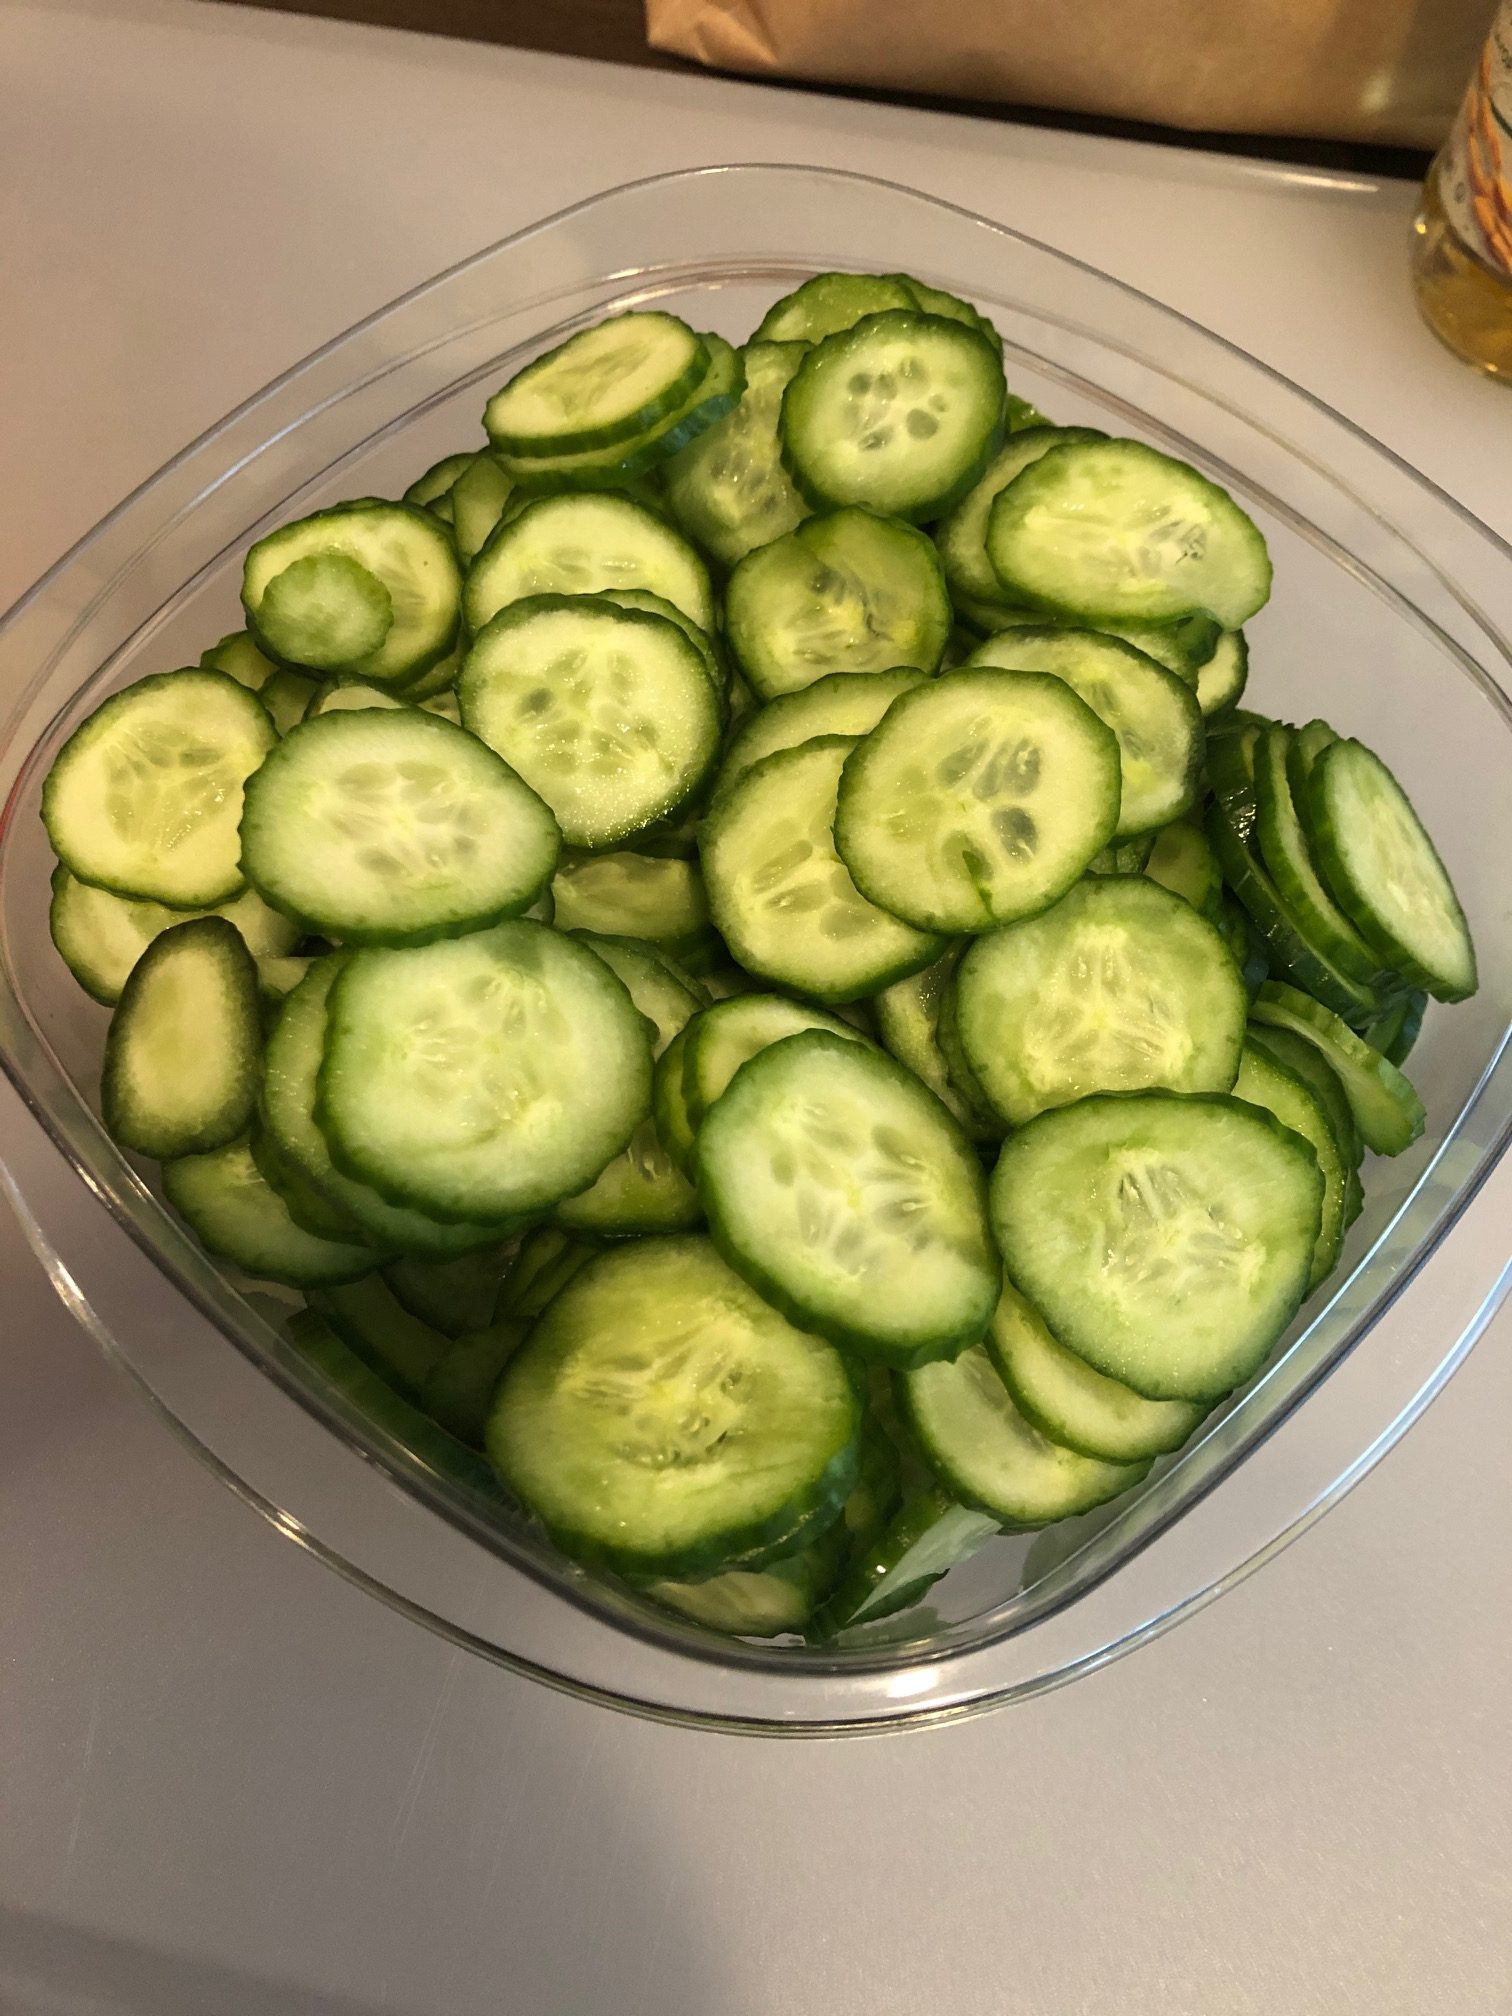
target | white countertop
x=229, y=1782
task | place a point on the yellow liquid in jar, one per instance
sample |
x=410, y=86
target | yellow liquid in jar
x=1465, y=302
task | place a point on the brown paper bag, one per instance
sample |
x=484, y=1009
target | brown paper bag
x=1384, y=70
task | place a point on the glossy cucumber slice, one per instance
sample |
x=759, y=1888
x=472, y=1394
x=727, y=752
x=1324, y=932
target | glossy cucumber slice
x=931, y=1533
x=1387, y=1111
x=371, y=1319
x=1221, y=679
x=830, y=302
x=646, y=896
x=605, y=384
x=728, y=489
x=731, y=1033
x=225, y=1202
x=101, y=936
x=908, y=1020
x=1182, y=860
x=962, y=535
x=843, y=703
x=1264, y=1081
x=453, y=1296
x=576, y=545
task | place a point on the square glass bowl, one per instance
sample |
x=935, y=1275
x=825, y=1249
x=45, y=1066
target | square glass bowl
x=1389, y=617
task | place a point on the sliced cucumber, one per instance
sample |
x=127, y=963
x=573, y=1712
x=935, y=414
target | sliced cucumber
x=548, y=1259
x=930, y=1534
x=325, y=610
x=353, y=697
x=654, y=897
x=731, y=1033
x=845, y=1193
x=453, y=1296
x=433, y=484
x=830, y=302
x=962, y=535
x=1166, y=1240
x=847, y=591
x=759, y=1602
x=399, y=547
x=394, y=828
x=311, y=1209
x=605, y=384
x=779, y=893
x=908, y=1021
x=1154, y=716
x=482, y=1077
x=144, y=797
x=1397, y=1027
x=459, y=1391
x=1388, y=1113
x=1311, y=740
x=728, y=489
x=1284, y=849
x=226, y=1204
x=661, y=1419
x=1120, y=987
x=936, y=301
x=239, y=658
x=478, y=498
x=1222, y=678
x=1385, y=871
x=101, y=937
x=1182, y=860
x=1183, y=647
x=576, y=545
x=985, y=1124
x=844, y=703
x=289, y=697
x=978, y=798
x=657, y=605
x=1112, y=531
x=372, y=1320
x=669, y=1107
x=990, y=1456
x=182, y=1055
x=1308, y=1063
x=1062, y=1397
x=1266, y=1082
x=900, y=412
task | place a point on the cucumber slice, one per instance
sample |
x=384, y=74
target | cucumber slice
x=848, y=1197
x=930, y=1534
x=661, y=1419
x=1183, y=647
x=453, y=1296
x=1264, y=1081
x=779, y=893
x=478, y=498
x=1154, y=716
x=1396, y=1028
x=1308, y=745
x=482, y=1077
x=731, y=1033
x=371, y=1319
x=986, y=1126
x=1309, y=1064
x=433, y=688
x=642, y=1189
x=459, y=1393
x=1182, y=860
x=990, y=1456
x=669, y=1107
x=356, y=697
x=1231, y=750
x=101, y=937
x=1113, y=531
x=654, y=897
x=239, y=658
x=1120, y=987
x=830, y=302
x=908, y=1021
x=1166, y=1240
x=1222, y=678
x=311, y=1209
x=576, y=545
x=1387, y=1111
x=900, y=413
x=181, y=1058
x=325, y=610
x=1069, y=1403
x=759, y=1602
x=228, y=1207
x=728, y=489
x=1284, y=849
x=848, y=591
x=291, y=1068
x=548, y=1259
x=144, y=797
x=402, y=548
x=1128, y=857
x=657, y=605
x=288, y=697
x=844, y=703
x=605, y=384
x=391, y=828
x=1385, y=871
x=607, y=713
x=434, y=484
x=1246, y=948
x=978, y=798
x=936, y=301
x=962, y=534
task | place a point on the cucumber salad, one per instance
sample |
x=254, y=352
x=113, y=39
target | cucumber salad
x=736, y=945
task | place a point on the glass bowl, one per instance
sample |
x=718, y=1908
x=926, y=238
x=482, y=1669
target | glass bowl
x=1389, y=616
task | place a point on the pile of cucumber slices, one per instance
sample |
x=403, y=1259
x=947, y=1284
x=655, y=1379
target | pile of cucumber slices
x=736, y=944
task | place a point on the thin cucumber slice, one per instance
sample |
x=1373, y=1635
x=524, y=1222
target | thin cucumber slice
x=434, y=685
x=390, y=828
x=548, y=1259
x=370, y=1318
x=830, y=302
x=1021, y=413
x=1182, y=860
x=656, y=897
x=603, y=385
x=325, y=610
x=482, y=1077
x=848, y=1197
x=433, y=484
x=182, y=1055
x=576, y=545
x=978, y=798
x=226, y=1204
x=728, y=489
x=1284, y=849
x=459, y=1392
x=1246, y=948
x=658, y=605
x=669, y=1107
x=642, y=1189
x=1222, y=678
x=453, y=1296
x=661, y=1419
x=311, y=1209
x=239, y=658
x=908, y=1021
x=759, y=1602
x=962, y=534
x=1126, y=857
x=1387, y=1111
x=930, y=1534
x=1183, y=647
x=1154, y=716
x=1071, y=1404
x=1396, y=1028
x=144, y=797
x=900, y=413
x=986, y=1125
x=354, y=697
x=1231, y=747
x=1120, y=987
x=779, y=893
x=1202, y=1214
x=279, y=974
x=288, y=697
x=731, y=1033
x=1264, y=1081
x=990, y=1456
x=101, y=937
x=403, y=548
x=607, y=713
x=848, y=591
x=1385, y=871
x=1308, y=1063
x=936, y=301
x=844, y=703
x=478, y=498
x=1113, y=531
x=1308, y=745
x=291, y=1067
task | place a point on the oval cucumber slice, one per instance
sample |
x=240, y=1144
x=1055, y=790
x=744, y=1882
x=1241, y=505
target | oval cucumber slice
x=730, y=1033
x=1387, y=1111
x=604, y=384
x=576, y=545
x=843, y=703
x=230, y=1209
x=962, y=535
